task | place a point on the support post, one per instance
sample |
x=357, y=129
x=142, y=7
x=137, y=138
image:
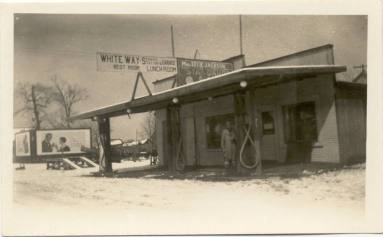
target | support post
x=240, y=35
x=172, y=41
x=240, y=117
x=173, y=136
x=104, y=131
x=169, y=142
x=256, y=130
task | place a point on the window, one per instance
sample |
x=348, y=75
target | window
x=214, y=126
x=267, y=123
x=300, y=122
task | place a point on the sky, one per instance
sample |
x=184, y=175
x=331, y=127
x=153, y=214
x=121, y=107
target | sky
x=65, y=46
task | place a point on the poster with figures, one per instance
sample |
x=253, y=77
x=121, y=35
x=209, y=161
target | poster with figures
x=23, y=144
x=68, y=141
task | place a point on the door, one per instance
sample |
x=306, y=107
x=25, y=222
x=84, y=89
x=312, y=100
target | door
x=269, y=148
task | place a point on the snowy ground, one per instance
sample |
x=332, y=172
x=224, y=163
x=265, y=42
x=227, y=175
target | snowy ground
x=285, y=199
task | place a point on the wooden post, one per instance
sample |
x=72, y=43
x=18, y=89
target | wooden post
x=169, y=142
x=104, y=130
x=173, y=135
x=256, y=130
x=240, y=114
x=240, y=35
x=172, y=41
x=258, y=137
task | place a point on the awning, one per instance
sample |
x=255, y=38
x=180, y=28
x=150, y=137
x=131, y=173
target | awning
x=211, y=87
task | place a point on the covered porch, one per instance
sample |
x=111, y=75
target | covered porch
x=239, y=83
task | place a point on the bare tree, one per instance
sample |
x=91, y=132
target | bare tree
x=148, y=127
x=67, y=95
x=36, y=98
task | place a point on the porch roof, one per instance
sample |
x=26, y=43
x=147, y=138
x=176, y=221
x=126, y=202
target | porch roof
x=220, y=85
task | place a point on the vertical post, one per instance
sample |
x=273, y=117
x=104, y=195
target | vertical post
x=240, y=34
x=172, y=40
x=104, y=130
x=196, y=148
x=257, y=140
x=240, y=113
x=173, y=135
x=169, y=145
x=254, y=117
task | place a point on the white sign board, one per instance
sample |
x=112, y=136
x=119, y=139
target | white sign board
x=70, y=141
x=23, y=144
x=110, y=62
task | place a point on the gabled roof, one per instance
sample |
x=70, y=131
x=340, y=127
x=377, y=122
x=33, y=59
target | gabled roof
x=214, y=86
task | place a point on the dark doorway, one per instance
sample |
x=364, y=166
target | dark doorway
x=300, y=129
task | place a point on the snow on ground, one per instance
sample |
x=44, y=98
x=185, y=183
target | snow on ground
x=74, y=202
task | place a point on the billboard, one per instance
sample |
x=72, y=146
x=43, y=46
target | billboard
x=23, y=144
x=192, y=70
x=65, y=141
x=111, y=62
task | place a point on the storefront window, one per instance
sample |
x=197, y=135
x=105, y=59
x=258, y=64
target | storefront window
x=300, y=122
x=214, y=126
x=267, y=123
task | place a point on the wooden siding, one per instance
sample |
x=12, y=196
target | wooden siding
x=161, y=130
x=321, y=91
x=202, y=110
x=237, y=61
x=351, y=114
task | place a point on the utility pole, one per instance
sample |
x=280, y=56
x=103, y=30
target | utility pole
x=172, y=38
x=196, y=52
x=240, y=34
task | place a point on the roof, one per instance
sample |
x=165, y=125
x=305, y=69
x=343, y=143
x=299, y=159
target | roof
x=347, y=84
x=211, y=87
x=293, y=54
x=233, y=57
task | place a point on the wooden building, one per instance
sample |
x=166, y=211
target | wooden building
x=292, y=108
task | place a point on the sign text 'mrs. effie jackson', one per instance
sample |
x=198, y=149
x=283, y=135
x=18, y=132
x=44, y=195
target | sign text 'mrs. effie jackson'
x=111, y=62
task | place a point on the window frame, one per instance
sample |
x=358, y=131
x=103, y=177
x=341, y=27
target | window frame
x=229, y=117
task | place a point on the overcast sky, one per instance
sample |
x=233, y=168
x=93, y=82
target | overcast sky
x=66, y=46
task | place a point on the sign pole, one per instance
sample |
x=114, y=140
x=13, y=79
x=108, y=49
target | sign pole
x=240, y=34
